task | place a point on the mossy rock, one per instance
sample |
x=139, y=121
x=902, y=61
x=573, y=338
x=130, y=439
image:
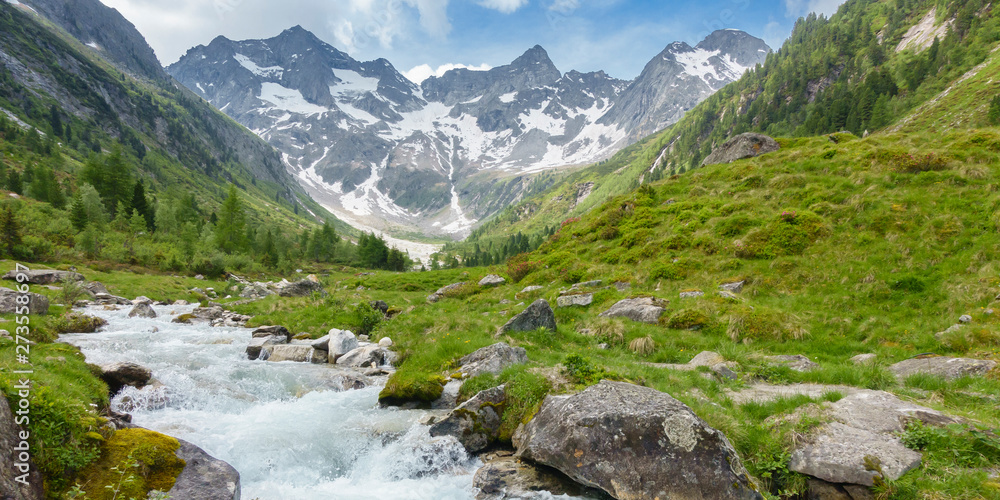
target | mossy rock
x=685, y=319
x=78, y=323
x=411, y=389
x=139, y=460
x=184, y=318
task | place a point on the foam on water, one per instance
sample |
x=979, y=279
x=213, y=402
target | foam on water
x=283, y=426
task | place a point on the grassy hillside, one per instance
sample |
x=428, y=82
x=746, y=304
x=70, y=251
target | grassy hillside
x=838, y=74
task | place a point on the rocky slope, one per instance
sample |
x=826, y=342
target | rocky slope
x=382, y=151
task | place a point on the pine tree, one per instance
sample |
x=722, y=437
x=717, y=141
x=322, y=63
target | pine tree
x=55, y=121
x=10, y=230
x=230, y=232
x=993, y=116
x=142, y=205
x=78, y=212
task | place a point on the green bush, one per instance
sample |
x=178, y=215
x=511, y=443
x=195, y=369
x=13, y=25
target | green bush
x=582, y=370
x=366, y=318
x=684, y=319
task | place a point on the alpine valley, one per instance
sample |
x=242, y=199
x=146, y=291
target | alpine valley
x=385, y=153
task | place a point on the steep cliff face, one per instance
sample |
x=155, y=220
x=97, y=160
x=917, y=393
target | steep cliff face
x=384, y=152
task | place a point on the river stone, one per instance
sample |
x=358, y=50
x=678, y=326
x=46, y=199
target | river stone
x=837, y=454
x=45, y=276
x=643, y=310
x=634, y=442
x=364, y=356
x=267, y=331
x=735, y=287
x=742, y=146
x=492, y=359
x=537, y=315
x=37, y=303
x=142, y=299
x=204, y=477
x=257, y=344
x=142, y=310
x=476, y=422
x=795, y=362
x=301, y=353
x=492, y=280
x=340, y=343
x=10, y=439
x=439, y=294
x=864, y=424
x=301, y=288
x=509, y=478
x=95, y=287
x=119, y=375
x=941, y=366
x=583, y=299
x=449, y=396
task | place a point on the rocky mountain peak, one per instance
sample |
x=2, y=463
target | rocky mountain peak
x=745, y=49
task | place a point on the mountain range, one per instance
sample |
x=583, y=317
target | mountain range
x=385, y=153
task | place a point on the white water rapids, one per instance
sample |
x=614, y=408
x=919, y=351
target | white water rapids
x=288, y=434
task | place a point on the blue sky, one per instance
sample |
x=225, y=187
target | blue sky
x=618, y=36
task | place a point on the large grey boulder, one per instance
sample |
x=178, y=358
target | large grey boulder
x=643, y=310
x=257, y=344
x=120, y=375
x=537, y=315
x=255, y=291
x=272, y=330
x=340, y=342
x=492, y=280
x=364, y=356
x=634, y=442
x=476, y=422
x=95, y=287
x=941, y=366
x=37, y=303
x=580, y=299
x=743, y=146
x=44, y=276
x=300, y=353
x=863, y=430
x=301, y=288
x=204, y=477
x=142, y=310
x=29, y=486
x=440, y=293
x=492, y=359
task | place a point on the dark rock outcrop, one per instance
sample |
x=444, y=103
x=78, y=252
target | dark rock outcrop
x=37, y=303
x=476, y=422
x=634, y=442
x=45, y=276
x=538, y=315
x=19, y=479
x=743, y=146
x=119, y=375
x=204, y=477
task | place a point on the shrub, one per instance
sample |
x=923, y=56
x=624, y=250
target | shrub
x=582, y=370
x=366, y=318
x=790, y=233
x=747, y=323
x=642, y=346
x=519, y=266
x=685, y=319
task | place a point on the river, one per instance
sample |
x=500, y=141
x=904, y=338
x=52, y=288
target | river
x=278, y=424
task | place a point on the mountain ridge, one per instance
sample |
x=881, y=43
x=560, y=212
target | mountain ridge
x=384, y=152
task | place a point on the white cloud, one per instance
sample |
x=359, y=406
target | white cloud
x=801, y=8
x=564, y=6
x=504, y=6
x=420, y=73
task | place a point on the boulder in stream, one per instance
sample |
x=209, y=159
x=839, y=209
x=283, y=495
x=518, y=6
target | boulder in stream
x=142, y=310
x=204, y=477
x=301, y=353
x=273, y=330
x=339, y=343
x=257, y=344
x=119, y=375
x=476, y=422
x=365, y=356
